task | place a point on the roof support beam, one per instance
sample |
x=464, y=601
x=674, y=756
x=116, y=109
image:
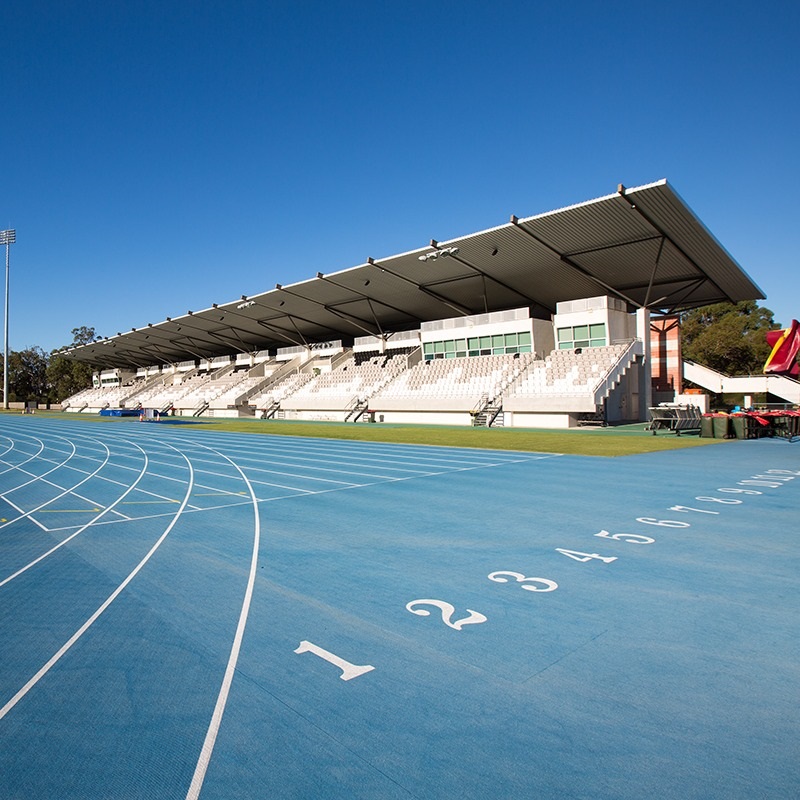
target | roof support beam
x=567, y=260
x=200, y=347
x=279, y=332
x=359, y=323
x=622, y=191
x=614, y=246
x=461, y=260
x=369, y=299
x=353, y=320
x=653, y=272
x=167, y=352
x=681, y=300
x=291, y=317
x=462, y=310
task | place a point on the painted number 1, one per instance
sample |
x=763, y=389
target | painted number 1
x=349, y=671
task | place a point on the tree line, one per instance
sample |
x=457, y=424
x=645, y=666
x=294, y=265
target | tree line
x=37, y=376
x=728, y=337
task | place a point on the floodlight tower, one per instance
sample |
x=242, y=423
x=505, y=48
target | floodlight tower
x=7, y=238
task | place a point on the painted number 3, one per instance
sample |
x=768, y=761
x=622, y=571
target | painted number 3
x=502, y=577
x=447, y=610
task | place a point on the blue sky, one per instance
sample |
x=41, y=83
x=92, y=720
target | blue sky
x=162, y=156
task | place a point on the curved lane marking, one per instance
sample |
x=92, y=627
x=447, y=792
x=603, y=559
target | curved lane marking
x=83, y=527
x=111, y=598
x=24, y=514
x=38, y=477
x=222, y=699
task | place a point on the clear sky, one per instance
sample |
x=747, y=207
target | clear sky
x=163, y=156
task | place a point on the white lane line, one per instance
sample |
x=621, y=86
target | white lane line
x=348, y=467
x=53, y=499
x=81, y=529
x=30, y=458
x=222, y=699
x=111, y=598
x=373, y=451
x=23, y=515
x=11, y=446
x=39, y=477
x=113, y=482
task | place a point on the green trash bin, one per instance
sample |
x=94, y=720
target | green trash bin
x=707, y=427
x=744, y=427
x=722, y=426
x=780, y=425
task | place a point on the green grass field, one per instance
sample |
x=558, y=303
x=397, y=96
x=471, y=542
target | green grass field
x=613, y=441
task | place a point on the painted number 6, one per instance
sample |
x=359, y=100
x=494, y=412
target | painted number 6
x=502, y=577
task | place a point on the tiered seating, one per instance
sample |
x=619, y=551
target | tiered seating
x=567, y=382
x=566, y=372
x=349, y=383
x=88, y=398
x=211, y=388
x=161, y=395
x=281, y=389
x=451, y=383
x=104, y=397
x=237, y=384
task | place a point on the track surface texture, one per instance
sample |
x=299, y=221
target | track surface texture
x=195, y=614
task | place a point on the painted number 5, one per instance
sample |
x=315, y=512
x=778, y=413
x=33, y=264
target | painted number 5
x=630, y=538
x=502, y=577
x=474, y=618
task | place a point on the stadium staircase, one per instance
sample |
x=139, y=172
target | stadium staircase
x=269, y=413
x=357, y=409
x=487, y=413
x=633, y=351
x=779, y=385
x=137, y=387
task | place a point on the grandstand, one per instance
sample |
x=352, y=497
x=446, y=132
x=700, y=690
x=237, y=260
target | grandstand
x=542, y=322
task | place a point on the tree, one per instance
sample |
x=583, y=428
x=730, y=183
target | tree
x=728, y=337
x=27, y=375
x=66, y=376
x=83, y=335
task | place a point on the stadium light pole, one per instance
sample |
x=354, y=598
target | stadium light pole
x=7, y=238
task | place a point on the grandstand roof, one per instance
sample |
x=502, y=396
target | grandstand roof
x=644, y=245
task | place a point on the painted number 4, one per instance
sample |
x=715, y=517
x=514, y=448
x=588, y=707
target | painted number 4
x=577, y=555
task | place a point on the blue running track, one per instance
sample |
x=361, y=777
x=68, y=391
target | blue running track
x=190, y=614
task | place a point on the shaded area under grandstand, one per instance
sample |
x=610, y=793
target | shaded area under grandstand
x=663, y=663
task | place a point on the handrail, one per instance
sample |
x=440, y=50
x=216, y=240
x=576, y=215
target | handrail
x=295, y=365
x=481, y=405
x=635, y=347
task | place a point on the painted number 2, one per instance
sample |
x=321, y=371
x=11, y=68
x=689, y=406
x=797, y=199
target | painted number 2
x=447, y=610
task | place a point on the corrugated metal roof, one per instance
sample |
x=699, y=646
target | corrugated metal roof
x=642, y=244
